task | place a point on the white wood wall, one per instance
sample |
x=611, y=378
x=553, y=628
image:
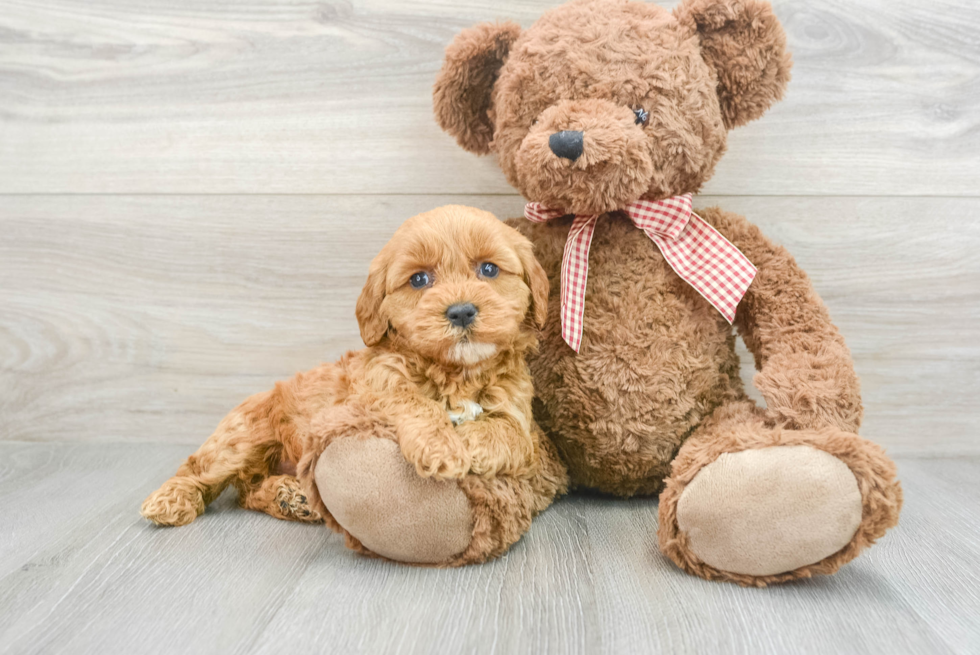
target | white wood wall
x=191, y=190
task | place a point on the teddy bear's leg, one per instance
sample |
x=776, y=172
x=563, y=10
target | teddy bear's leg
x=360, y=482
x=757, y=505
x=279, y=496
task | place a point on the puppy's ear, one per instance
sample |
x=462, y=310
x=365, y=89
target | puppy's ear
x=370, y=317
x=743, y=42
x=536, y=279
x=461, y=95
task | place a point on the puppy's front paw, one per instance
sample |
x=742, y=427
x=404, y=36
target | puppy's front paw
x=495, y=453
x=439, y=457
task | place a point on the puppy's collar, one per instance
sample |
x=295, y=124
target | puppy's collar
x=468, y=410
x=696, y=251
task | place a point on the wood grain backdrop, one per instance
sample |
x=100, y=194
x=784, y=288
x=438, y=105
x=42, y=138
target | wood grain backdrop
x=190, y=192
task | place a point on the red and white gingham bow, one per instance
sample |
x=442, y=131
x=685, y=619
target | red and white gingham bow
x=697, y=252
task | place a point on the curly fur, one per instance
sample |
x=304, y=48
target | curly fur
x=403, y=387
x=634, y=410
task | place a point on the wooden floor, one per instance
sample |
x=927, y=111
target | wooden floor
x=81, y=572
x=190, y=194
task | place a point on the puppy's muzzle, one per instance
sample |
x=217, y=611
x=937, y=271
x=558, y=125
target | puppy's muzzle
x=462, y=314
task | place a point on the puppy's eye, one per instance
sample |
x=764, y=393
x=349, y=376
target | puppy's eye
x=642, y=116
x=489, y=270
x=420, y=280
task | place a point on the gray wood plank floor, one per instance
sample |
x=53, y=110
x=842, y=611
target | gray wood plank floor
x=80, y=572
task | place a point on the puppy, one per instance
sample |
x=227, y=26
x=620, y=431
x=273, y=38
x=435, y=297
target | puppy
x=448, y=313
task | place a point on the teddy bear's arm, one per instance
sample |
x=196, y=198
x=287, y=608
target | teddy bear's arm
x=806, y=373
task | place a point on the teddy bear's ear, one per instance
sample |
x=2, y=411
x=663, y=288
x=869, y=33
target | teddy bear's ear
x=744, y=43
x=462, y=91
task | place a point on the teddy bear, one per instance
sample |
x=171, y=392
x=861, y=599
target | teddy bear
x=607, y=115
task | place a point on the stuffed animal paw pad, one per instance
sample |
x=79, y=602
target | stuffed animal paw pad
x=771, y=510
x=378, y=497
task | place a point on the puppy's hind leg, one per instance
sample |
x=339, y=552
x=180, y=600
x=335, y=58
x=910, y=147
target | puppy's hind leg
x=279, y=496
x=243, y=447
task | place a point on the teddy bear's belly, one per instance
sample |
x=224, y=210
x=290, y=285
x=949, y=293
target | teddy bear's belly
x=656, y=359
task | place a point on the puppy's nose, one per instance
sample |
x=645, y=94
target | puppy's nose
x=567, y=144
x=461, y=314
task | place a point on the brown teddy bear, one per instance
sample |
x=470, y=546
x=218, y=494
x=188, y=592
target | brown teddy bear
x=607, y=115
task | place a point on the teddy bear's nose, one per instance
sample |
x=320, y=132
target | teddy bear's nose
x=567, y=144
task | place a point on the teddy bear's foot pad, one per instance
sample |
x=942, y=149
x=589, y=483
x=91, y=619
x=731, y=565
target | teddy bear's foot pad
x=771, y=510
x=377, y=496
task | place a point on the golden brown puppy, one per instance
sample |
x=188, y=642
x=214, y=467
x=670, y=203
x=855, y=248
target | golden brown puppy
x=448, y=313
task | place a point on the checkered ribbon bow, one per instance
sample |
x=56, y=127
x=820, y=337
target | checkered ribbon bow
x=697, y=252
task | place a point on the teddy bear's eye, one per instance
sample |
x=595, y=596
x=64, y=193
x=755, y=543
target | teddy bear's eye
x=642, y=116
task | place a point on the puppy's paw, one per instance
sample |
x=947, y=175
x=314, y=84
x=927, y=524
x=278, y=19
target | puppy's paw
x=293, y=503
x=178, y=502
x=439, y=457
x=495, y=454
x=490, y=464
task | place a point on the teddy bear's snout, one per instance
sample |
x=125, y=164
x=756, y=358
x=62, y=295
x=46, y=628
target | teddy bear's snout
x=567, y=144
x=583, y=155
